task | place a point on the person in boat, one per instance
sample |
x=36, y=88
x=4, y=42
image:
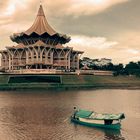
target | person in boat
x=75, y=112
x=108, y=122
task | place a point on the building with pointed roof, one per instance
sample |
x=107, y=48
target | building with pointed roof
x=41, y=48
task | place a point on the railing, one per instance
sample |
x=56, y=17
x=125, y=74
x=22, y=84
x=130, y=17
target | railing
x=39, y=71
x=43, y=61
x=31, y=62
x=34, y=71
x=60, y=62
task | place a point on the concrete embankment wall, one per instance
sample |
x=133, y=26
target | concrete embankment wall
x=74, y=82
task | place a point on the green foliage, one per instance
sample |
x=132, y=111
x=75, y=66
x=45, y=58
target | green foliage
x=4, y=79
x=132, y=68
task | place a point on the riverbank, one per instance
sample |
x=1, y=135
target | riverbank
x=73, y=82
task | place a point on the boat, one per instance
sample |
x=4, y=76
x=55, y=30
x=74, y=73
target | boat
x=94, y=119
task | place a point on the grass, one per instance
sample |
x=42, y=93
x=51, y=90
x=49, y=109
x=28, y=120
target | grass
x=91, y=79
x=76, y=81
x=4, y=79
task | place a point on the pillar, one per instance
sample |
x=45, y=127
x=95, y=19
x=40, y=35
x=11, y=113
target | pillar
x=9, y=62
x=27, y=57
x=77, y=61
x=68, y=61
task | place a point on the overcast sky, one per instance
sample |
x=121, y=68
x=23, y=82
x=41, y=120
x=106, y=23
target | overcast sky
x=101, y=28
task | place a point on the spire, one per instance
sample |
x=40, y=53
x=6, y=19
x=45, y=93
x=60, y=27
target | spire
x=40, y=11
x=40, y=24
x=40, y=2
x=40, y=29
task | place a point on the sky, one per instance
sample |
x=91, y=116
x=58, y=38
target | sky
x=100, y=28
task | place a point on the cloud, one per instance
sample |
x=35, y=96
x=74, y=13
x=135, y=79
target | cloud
x=20, y=10
x=9, y=7
x=133, y=51
x=82, y=7
x=112, y=32
x=129, y=38
x=59, y=7
x=79, y=7
x=99, y=43
x=94, y=47
x=129, y=47
x=101, y=47
x=3, y=4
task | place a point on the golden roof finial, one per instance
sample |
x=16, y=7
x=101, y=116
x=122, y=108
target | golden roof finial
x=41, y=11
x=40, y=25
x=40, y=2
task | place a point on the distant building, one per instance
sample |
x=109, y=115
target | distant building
x=98, y=62
x=40, y=47
x=102, y=62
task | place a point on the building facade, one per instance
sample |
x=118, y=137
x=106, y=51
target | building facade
x=40, y=48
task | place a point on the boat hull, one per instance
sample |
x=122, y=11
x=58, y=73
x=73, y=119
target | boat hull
x=111, y=126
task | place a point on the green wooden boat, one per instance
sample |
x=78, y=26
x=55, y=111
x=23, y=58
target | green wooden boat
x=93, y=119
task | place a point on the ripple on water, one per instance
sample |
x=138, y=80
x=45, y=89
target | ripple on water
x=45, y=115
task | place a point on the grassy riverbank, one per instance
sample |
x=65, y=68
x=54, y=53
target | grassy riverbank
x=75, y=82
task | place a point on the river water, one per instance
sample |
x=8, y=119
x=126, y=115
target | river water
x=44, y=115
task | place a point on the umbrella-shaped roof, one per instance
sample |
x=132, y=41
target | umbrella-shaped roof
x=40, y=25
x=40, y=28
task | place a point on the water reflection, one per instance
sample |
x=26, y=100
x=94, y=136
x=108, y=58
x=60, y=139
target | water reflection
x=99, y=133
x=112, y=135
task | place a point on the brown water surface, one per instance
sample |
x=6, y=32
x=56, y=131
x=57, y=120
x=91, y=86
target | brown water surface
x=44, y=115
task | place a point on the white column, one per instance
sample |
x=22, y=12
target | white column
x=1, y=62
x=9, y=62
x=27, y=58
x=51, y=57
x=37, y=54
x=32, y=55
x=1, y=59
x=78, y=61
x=12, y=62
x=69, y=61
x=41, y=55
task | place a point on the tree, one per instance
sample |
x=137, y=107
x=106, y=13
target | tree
x=132, y=65
x=133, y=68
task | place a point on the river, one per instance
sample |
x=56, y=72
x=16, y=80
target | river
x=44, y=115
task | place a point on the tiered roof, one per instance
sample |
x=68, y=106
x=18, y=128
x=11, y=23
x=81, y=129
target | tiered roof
x=40, y=29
